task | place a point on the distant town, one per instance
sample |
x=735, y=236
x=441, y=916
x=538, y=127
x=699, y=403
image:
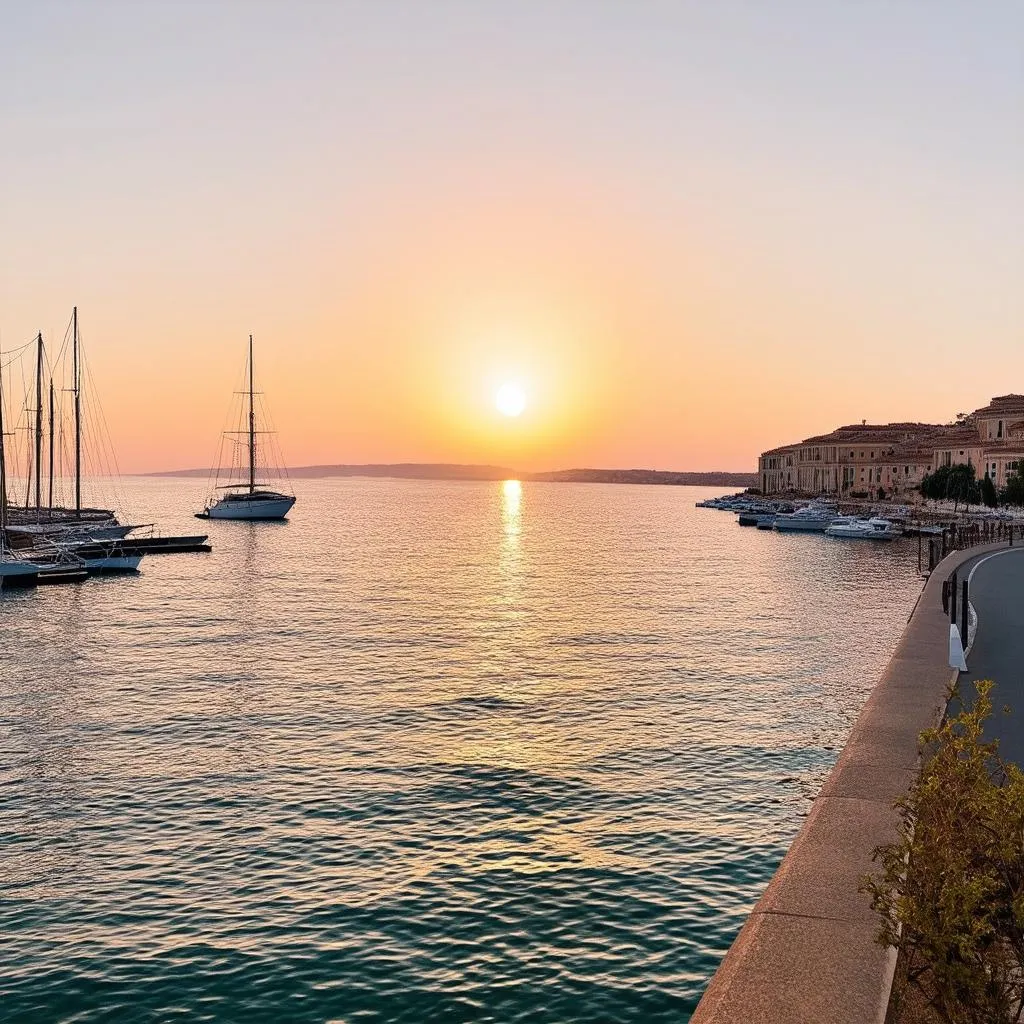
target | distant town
x=891, y=460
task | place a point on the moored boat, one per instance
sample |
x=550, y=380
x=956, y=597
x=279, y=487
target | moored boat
x=852, y=528
x=17, y=573
x=807, y=520
x=14, y=571
x=750, y=516
x=248, y=499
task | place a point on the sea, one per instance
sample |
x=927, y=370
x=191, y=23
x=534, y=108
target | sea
x=428, y=751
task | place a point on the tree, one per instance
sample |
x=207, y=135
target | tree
x=1013, y=492
x=988, y=492
x=954, y=483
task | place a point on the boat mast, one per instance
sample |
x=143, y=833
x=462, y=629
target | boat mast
x=76, y=384
x=252, y=428
x=3, y=467
x=39, y=423
x=50, y=493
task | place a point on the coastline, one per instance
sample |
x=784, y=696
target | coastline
x=807, y=951
x=446, y=471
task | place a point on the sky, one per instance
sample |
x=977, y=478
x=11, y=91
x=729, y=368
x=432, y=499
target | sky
x=689, y=231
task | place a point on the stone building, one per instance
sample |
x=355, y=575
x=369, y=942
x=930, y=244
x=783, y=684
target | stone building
x=892, y=459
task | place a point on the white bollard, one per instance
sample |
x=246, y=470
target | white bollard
x=956, y=650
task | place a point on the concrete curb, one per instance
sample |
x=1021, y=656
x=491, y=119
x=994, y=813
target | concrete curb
x=807, y=953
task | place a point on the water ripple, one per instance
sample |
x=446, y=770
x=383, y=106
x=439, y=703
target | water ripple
x=423, y=754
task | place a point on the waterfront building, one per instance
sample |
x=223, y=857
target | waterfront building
x=891, y=460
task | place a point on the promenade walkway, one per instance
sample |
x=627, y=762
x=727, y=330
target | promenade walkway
x=997, y=594
x=807, y=953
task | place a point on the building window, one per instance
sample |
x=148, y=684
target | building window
x=999, y=431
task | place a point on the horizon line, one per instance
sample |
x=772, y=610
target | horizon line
x=488, y=472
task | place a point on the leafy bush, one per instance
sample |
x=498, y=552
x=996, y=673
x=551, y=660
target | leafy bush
x=951, y=889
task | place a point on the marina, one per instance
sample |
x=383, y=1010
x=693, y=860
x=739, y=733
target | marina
x=45, y=542
x=871, y=521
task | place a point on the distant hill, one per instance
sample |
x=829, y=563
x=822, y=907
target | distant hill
x=449, y=471
x=646, y=476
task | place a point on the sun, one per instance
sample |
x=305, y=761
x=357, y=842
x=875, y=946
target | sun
x=510, y=399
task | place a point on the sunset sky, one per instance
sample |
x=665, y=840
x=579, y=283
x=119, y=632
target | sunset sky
x=689, y=231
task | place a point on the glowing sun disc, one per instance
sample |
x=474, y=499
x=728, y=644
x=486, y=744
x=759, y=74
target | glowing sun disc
x=510, y=399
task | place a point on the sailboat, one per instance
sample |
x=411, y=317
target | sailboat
x=43, y=518
x=58, y=544
x=248, y=499
x=14, y=572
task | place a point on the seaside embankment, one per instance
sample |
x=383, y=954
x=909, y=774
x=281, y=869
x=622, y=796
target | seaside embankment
x=807, y=953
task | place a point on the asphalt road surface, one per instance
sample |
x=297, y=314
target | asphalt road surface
x=997, y=593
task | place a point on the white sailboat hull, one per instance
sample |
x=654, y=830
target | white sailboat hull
x=251, y=508
x=113, y=563
x=14, y=573
x=105, y=531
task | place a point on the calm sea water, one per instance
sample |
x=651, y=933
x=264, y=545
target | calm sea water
x=427, y=752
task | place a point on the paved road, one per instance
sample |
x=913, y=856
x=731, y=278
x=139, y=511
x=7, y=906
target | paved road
x=997, y=593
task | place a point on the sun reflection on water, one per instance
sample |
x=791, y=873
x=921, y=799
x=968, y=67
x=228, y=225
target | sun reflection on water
x=511, y=506
x=512, y=528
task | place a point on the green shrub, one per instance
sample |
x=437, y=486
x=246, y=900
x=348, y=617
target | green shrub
x=951, y=888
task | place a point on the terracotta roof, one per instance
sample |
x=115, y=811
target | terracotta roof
x=1010, y=447
x=873, y=433
x=952, y=436
x=912, y=452
x=914, y=441
x=1002, y=405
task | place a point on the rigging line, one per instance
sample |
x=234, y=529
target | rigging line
x=21, y=348
x=67, y=336
x=282, y=464
x=104, y=456
x=215, y=469
x=102, y=429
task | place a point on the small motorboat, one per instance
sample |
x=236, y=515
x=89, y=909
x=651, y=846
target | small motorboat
x=807, y=520
x=852, y=528
x=750, y=516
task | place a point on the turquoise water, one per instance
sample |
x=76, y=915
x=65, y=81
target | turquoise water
x=428, y=752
